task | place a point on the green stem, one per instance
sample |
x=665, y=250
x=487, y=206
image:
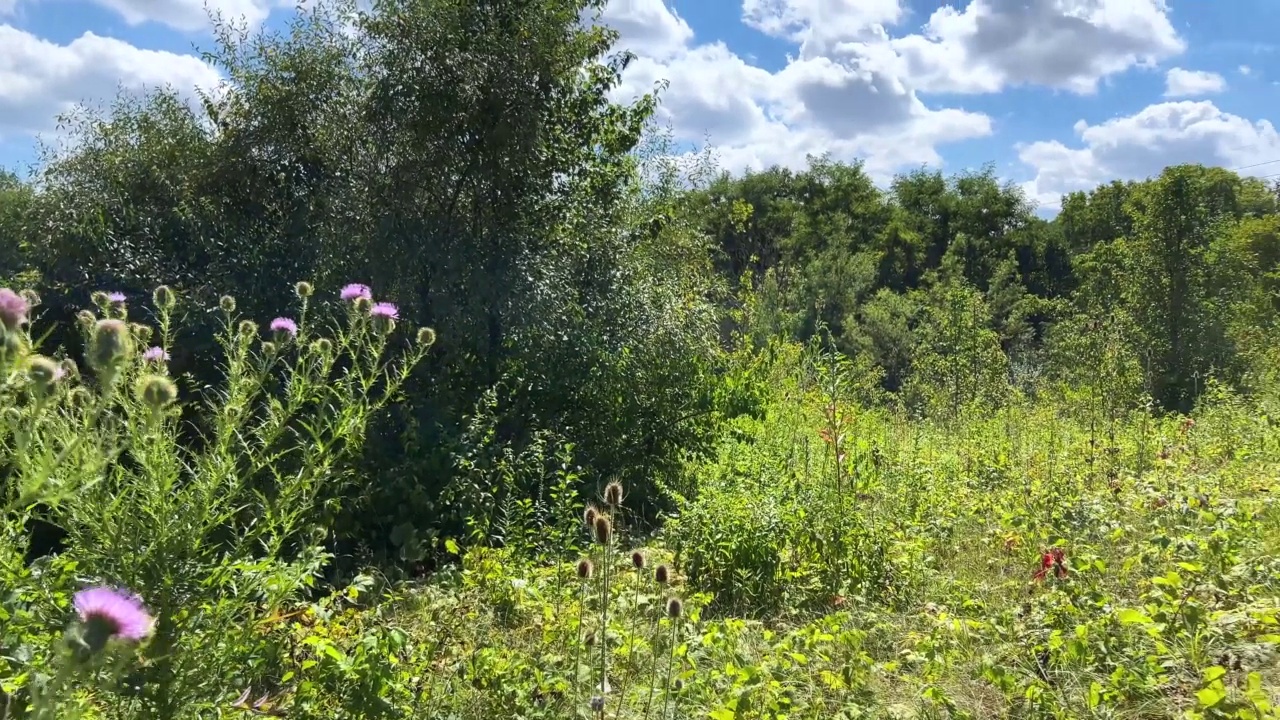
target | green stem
x=604, y=616
x=671, y=663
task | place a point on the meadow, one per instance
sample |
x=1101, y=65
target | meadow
x=828, y=559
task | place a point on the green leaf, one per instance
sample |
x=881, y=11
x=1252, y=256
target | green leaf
x=1210, y=696
x=1130, y=616
x=451, y=546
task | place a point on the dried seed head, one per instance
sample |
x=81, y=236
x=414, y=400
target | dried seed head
x=164, y=297
x=662, y=575
x=613, y=494
x=637, y=560
x=585, y=569
x=678, y=685
x=589, y=517
x=303, y=289
x=590, y=640
x=675, y=608
x=597, y=704
x=603, y=529
x=426, y=337
x=227, y=303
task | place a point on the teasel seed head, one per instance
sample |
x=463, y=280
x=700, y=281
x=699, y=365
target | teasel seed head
x=662, y=575
x=603, y=529
x=675, y=608
x=585, y=569
x=613, y=494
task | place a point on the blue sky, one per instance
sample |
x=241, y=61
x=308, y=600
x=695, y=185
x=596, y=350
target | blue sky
x=1060, y=94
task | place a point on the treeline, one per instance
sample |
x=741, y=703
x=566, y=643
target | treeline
x=953, y=285
x=589, y=294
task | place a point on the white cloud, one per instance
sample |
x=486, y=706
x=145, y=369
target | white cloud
x=39, y=79
x=7, y=7
x=1066, y=44
x=1245, y=69
x=1189, y=83
x=1143, y=144
x=188, y=15
x=850, y=99
x=647, y=27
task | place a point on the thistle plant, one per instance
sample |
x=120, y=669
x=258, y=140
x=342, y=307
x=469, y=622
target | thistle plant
x=218, y=533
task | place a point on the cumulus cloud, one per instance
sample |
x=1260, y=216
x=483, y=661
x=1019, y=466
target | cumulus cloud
x=1066, y=44
x=647, y=27
x=1143, y=144
x=1189, y=83
x=843, y=94
x=188, y=15
x=40, y=79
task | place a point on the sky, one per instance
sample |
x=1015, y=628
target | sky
x=1059, y=95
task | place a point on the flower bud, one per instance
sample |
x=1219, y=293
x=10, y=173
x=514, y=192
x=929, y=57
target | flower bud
x=426, y=337
x=164, y=297
x=156, y=391
x=110, y=345
x=43, y=372
x=227, y=303
x=248, y=328
x=303, y=289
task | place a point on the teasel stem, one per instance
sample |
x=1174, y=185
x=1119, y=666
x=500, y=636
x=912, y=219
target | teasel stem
x=637, y=562
x=605, y=561
x=584, y=576
x=671, y=663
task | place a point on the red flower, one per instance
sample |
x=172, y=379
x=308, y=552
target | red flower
x=1052, y=559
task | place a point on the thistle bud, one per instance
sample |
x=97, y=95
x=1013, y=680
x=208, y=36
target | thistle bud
x=79, y=397
x=86, y=319
x=324, y=346
x=363, y=304
x=248, y=328
x=156, y=391
x=141, y=333
x=100, y=299
x=69, y=369
x=12, y=417
x=227, y=303
x=164, y=297
x=43, y=372
x=303, y=289
x=31, y=297
x=426, y=337
x=268, y=348
x=109, y=346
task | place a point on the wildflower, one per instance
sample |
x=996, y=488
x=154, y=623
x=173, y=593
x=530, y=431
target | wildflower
x=155, y=355
x=116, y=298
x=585, y=569
x=1052, y=559
x=675, y=608
x=384, y=316
x=109, y=345
x=637, y=560
x=284, y=329
x=227, y=303
x=164, y=297
x=156, y=391
x=303, y=289
x=613, y=494
x=13, y=309
x=108, y=614
x=355, y=291
x=426, y=337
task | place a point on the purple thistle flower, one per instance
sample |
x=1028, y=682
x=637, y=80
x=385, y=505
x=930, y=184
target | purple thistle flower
x=13, y=309
x=284, y=326
x=116, y=297
x=110, y=613
x=155, y=355
x=385, y=310
x=354, y=291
